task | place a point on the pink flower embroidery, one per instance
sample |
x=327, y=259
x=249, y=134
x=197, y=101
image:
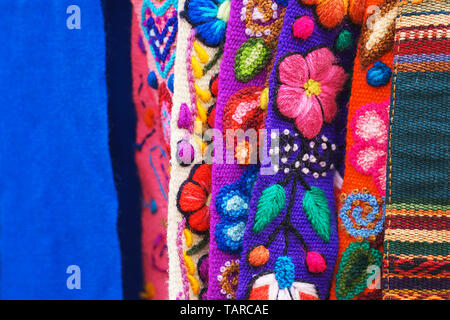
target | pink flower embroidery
x=307, y=89
x=370, y=132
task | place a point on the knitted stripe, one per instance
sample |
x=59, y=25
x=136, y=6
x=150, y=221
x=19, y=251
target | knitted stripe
x=152, y=161
x=416, y=259
x=290, y=243
x=361, y=209
x=243, y=75
x=202, y=25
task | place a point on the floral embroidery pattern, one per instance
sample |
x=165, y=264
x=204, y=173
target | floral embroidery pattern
x=362, y=214
x=263, y=20
x=306, y=89
x=370, y=132
x=160, y=27
x=165, y=102
x=280, y=284
x=209, y=18
x=273, y=199
x=232, y=205
x=242, y=110
x=194, y=196
x=331, y=12
x=314, y=158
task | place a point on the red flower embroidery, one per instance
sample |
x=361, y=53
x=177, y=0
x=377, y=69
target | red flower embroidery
x=193, y=198
x=243, y=110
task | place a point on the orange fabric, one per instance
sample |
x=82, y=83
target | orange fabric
x=361, y=94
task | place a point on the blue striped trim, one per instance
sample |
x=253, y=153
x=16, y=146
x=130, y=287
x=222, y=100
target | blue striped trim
x=439, y=57
x=425, y=13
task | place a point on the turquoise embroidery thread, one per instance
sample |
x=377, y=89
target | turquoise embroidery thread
x=363, y=231
x=159, y=12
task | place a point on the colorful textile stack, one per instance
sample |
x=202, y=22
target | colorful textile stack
x=241, y=105
x=417, y=237
x=225, y=149
x=199, y=52
x=154, y=31
x=361, y=200
x=282, y=148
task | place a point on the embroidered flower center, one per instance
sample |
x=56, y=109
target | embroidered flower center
x=237, y=232
x=223, y=13
x=312, y=87
x=242, y=109
x=236, y=203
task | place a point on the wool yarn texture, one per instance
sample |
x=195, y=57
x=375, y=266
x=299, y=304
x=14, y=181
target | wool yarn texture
x=417, y=236
x=152, y=159
x=360, y=204
x=202, y=25
x=291, y=241
x=251, y=40
x=159, y=23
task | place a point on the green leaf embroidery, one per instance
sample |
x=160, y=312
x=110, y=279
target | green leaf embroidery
x=315, y=204
x=251, y=58
x=352, y=275
x=269, y=206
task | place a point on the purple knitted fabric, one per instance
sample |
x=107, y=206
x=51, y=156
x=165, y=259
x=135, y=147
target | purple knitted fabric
x=291, y=238
x=242, y=33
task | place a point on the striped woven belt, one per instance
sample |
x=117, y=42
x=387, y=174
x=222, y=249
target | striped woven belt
x=417, y=237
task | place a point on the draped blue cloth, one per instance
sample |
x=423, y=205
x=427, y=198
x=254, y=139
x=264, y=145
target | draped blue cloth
x=58, y=203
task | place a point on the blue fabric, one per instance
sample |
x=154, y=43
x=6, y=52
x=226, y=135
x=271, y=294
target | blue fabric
x=122, y=124
x=58, y=203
